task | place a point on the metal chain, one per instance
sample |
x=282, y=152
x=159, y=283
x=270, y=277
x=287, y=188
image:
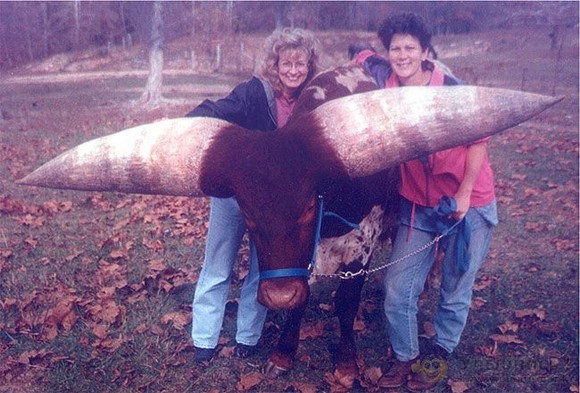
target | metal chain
x=350, y=275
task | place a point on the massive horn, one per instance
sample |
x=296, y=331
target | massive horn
x=368, y=132
x=158, y=158
x=379, y=129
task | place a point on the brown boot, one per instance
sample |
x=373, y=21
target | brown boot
x=397, y=374
x=428, y=371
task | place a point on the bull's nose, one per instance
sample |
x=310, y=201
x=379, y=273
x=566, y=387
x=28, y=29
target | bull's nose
x=283, y=294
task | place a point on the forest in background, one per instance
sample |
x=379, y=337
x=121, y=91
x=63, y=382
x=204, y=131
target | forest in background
x=35, y=30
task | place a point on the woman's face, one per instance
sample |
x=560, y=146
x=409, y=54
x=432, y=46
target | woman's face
x=406, y=55
x=292, y=69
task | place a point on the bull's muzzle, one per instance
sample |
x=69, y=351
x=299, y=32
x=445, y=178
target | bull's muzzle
x=283, y=293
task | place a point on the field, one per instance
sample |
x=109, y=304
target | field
x=96, y=288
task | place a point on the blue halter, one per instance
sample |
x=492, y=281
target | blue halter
x=301, y=271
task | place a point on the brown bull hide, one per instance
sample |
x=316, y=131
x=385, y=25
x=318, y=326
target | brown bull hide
x=368, y=132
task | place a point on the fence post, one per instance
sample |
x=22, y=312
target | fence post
x=218, y=57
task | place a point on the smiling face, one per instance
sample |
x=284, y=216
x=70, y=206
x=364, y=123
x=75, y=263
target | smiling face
x=406, y=56
x=292, y=69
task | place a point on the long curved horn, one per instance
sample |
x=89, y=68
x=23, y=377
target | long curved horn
x=158, y=158
x=380, y=129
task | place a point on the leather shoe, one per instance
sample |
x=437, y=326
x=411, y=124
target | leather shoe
x=243, y=351
x=429, y=370
x=203, y=354
x=397, y=375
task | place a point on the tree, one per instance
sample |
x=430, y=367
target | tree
x=152, y=96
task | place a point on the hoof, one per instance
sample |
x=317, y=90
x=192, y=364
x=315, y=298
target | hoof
x=273, y=371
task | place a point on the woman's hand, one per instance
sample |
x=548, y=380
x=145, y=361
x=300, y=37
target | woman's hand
x=463, y=200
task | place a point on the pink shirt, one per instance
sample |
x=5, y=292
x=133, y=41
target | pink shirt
x=284, y=107
x=441, y=173
x=425, y=181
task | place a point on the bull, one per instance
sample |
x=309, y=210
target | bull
x=339, y=152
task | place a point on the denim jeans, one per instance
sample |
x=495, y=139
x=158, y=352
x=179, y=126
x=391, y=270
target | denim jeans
x=225, y=233
x=404, y=281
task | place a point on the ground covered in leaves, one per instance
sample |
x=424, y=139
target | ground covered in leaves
x=95, y=288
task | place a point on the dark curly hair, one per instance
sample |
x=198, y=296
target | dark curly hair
x=405, y=23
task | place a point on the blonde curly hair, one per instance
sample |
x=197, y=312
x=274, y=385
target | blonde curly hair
x=288, y=38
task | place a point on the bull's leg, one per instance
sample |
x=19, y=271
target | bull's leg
x=281, y=359
x=346, y=305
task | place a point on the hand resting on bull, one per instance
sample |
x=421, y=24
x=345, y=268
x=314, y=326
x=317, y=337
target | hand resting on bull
x=343, y=149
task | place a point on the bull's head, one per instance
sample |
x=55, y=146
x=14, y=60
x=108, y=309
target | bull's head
x=275, y=176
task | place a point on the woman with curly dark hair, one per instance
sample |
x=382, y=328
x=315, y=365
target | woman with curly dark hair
x=447, y=190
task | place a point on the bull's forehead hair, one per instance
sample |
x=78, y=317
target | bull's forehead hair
x=275, y=172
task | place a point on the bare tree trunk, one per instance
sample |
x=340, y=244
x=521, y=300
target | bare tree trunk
x=123, y=24
x=77, y=12
x=279, y=14
x=45, y=27
x=152, y=97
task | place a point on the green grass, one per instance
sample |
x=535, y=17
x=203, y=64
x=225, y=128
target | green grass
x=49, y=252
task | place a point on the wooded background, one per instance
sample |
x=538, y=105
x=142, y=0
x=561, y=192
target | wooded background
x=35, y=30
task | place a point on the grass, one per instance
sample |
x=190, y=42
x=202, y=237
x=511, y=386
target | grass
x=128, y=263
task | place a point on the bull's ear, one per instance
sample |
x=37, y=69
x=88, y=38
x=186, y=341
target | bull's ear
x=365, y=133
x=165, y=157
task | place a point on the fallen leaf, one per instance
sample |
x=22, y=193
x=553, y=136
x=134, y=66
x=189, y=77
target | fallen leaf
x=516, y=176
x=157, y=265
x=489, y=351
x=312, y=331
x=506, y=339
x=227, y=351
x=31, y=242
x=118, y=254
x=100, y=330
x=508, y=326
x=301, y=387
x=534, y=226
x=248, y=381
x=359, y=325
x=564, y=244
x=484, y=283
x=373, y=374
x=539, y=313
x=179, y=319
x=477, y=303
x=457, y=386
x=335, y=386
x=429, y=329
x=28, y=357
x=65, y=206
x=73, y=255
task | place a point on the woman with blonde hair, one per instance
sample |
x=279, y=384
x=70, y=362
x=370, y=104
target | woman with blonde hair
x=263, y=103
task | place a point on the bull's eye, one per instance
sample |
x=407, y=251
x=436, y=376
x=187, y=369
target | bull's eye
x=309, y=213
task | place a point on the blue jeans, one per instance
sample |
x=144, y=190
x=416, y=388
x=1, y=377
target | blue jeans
x=225, y=233
x=404, y=281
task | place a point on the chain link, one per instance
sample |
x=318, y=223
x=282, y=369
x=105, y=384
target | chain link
x=351, y=275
